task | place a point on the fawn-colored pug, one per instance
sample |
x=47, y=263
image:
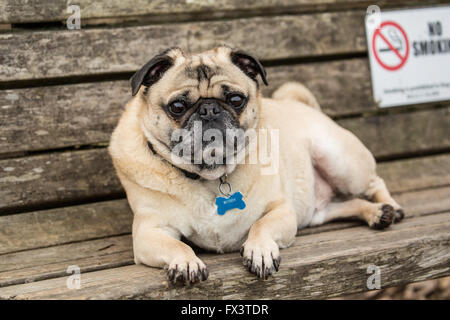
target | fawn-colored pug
x=322, y=172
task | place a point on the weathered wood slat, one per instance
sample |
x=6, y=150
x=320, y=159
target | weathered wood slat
x=57, y=178
x=317, y=266
x=67, y=115
x=73, y=122
x=63, y=225
x=22, y=11
x=51, y=262
x=69, y=177
x=50, y=54
x=83, y=114
x=60, y=116
x=405, y=133
x=59, y=226
x=342, y=87
x=416, y=173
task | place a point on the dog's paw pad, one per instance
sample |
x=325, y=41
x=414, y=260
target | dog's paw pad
x=261, y=257
x=399, y=215
x=384, y=217
x=187, y=272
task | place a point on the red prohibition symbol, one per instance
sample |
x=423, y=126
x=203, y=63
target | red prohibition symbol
x=402, y=58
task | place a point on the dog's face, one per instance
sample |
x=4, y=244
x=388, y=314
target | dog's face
x=194, y=102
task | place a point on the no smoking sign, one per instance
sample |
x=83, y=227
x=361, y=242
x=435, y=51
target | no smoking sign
x=409, y=54
x=390, y=45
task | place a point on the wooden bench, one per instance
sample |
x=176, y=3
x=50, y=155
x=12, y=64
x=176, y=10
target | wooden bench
x=62, y=92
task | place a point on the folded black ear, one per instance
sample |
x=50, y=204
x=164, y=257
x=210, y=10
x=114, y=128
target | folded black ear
x=249, y=65
x=151, y=72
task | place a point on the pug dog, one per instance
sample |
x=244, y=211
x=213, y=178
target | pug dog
x=323, y=172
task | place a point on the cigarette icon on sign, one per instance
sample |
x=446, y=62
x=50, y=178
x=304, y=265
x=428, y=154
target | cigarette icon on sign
x=395, y=38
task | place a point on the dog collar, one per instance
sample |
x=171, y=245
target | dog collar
x=186, y=173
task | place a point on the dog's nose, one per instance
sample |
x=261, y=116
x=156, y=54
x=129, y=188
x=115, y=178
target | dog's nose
x=209, y=111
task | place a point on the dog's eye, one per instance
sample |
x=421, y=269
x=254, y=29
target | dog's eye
x=236, y=100
x=177, y=107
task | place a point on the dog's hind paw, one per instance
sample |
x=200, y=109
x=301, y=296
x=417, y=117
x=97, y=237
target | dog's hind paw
x=383, y=218
x=399, y=215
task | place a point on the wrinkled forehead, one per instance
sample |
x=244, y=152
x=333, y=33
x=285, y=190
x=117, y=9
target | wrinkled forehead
x=205, y=71
x=216, y=56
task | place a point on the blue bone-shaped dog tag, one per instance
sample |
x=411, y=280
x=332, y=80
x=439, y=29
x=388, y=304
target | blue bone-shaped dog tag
x=232, y=202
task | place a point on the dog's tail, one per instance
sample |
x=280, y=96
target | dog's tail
x=296, y=91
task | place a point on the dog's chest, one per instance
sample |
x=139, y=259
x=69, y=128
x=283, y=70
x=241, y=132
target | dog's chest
x=226, y=232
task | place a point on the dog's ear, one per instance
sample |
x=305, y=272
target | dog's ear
x=151, y=72
x=249, y=65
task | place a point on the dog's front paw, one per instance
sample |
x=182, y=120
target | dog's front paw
x=261, y=256
x=187, y=270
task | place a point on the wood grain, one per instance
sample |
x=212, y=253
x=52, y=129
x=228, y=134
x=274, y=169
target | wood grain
x=317, y=266
x=86, y=175
x=52, y=262
x=85, y=114
x=70, y=53
x=396, y=134
x=59, y=226
x=22, y=11
x=56, y=178
x=416, y=173
x=89, y=236
x=53, y=117
x=63, y=225
x=82, y=114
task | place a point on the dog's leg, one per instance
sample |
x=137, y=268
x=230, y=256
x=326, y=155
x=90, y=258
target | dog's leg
x=379, y=193
x=277, y=228
x=349, y=167
x=158, y=247
x=377, y=215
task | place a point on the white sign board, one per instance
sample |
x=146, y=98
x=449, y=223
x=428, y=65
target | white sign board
x=409, y=53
